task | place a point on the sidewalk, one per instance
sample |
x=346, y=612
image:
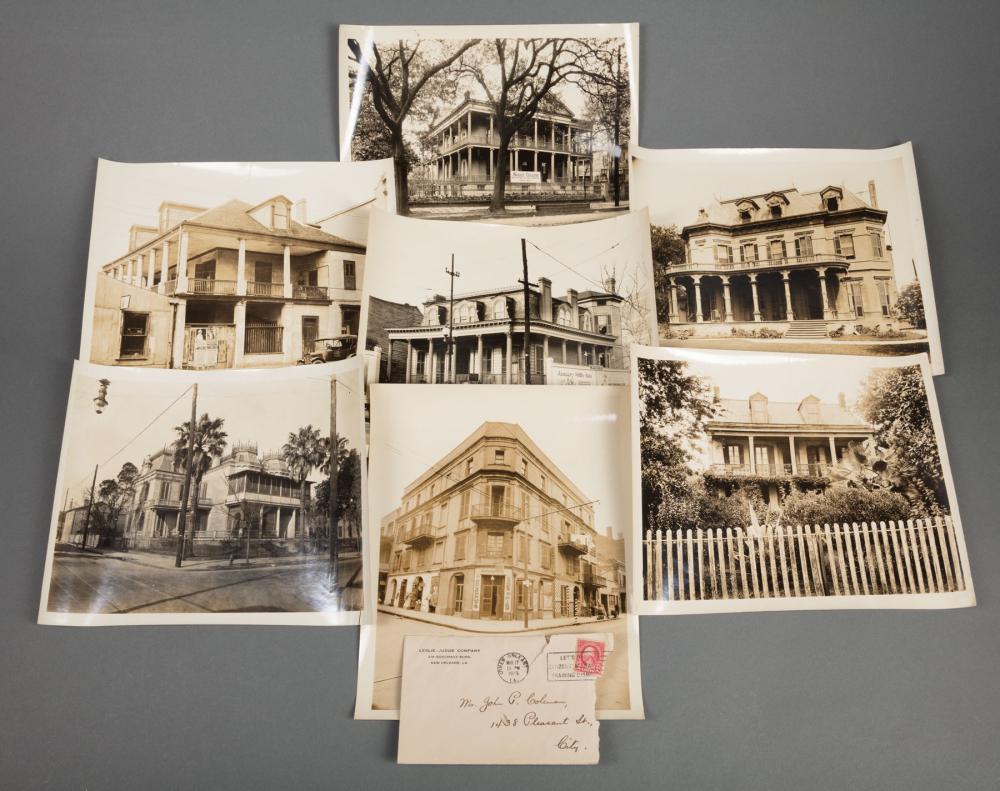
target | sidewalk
x=486, y=626
x=160, y=560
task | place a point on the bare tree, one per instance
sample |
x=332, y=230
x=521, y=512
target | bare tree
x=517, y=75
x=397, y=76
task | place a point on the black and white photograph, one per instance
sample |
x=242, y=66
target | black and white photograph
x=529, y=123
x=221, y=265
x=789, y=250
x=156, y=522
x=774, y=481
x=510, y=516
x=445, y=302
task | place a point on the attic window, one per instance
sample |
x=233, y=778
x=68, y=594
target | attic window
x=745, y=215
x=832, y=203
x=775, y=209
x=280, y=216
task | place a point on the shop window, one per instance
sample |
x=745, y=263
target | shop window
x=135, y=331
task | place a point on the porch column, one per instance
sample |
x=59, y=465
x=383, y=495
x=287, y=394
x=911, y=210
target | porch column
x=240, y=319
x=791, y=451
x=430, y=369
x=752, y=456
x=728, y=298
x=564, y=351
x=756, y=299
x=672, y=309
x=534, y=142
x=293, y=524
x=553, y=148
x=116, y=273
x=151, y=266
x=822, y=291
x=479, y=357
x=286, y=261
x=129, y=277
x=491, y=132
x=164, y=267
x=545, y=350
x=182, y=263
x=536, y=160
x=579, y=353
x=409, y=360
x=789, y=315
x=468, y=124
x=177, y=351
x=388, y=362
x=833, y=451
x=241, y=268
x=699, y=317
x=510, y=344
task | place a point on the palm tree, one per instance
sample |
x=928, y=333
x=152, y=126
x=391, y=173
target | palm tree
x=305, y=450
x=209, y=445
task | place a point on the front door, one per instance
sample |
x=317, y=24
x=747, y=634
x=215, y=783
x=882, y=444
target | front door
x=310, y=332
x=491, y=604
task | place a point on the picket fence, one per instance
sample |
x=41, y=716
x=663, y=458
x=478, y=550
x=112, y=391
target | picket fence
x=842, y=559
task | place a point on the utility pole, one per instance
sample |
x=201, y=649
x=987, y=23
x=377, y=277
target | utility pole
x=527, y=312
x=334, y=537
x=617, y=126
x=526, y=585
x=451, y=320
x=90, y=509
x=188, y=471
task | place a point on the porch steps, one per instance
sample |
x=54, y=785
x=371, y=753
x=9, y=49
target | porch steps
x=807, y=329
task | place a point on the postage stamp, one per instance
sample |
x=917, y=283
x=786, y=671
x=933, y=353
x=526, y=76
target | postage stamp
x=512, y=667
x=589, y=658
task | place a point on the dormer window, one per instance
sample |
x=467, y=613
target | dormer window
x=280, y=216
x=775, y=209
x=833, y=203
x=745, y=215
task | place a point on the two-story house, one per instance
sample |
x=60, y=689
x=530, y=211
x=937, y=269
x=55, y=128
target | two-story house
x=228, y=287
x=479, y=337
x=491, y=529
x=801, y=263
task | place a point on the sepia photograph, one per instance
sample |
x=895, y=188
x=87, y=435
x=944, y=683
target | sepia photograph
x=203, y=497
x=530, y=123
x=511, y=517
x=445, y=302
x=202, y=266
x=789, y=250
x=774, y=481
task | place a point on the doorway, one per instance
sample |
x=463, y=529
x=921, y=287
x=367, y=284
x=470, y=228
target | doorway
x=310, y=332
x=491, y=603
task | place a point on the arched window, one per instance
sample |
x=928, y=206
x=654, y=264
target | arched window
x=500, y=309
x=588, y=322
x=563, y=316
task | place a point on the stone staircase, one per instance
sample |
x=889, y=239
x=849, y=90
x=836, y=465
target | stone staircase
x=807, y=329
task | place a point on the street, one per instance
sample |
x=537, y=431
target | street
x=612, y=687
x=85, y=583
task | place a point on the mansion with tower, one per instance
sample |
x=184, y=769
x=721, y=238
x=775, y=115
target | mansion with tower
x=799, y=263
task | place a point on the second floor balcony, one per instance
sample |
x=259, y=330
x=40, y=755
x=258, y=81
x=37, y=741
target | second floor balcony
x=497, y=513
x=572, y=544
x=755, y=265
x=418, y=535
x=807, y=470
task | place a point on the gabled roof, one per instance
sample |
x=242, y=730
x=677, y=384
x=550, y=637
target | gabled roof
x=796, y=204
x=787, y=413
x=235, y=215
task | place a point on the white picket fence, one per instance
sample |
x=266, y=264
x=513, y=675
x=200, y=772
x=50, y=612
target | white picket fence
x=849, y=559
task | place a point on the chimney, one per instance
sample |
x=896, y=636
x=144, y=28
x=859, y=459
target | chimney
x=299, y=211
x=609, y=285
x=716, y=398
x=574, y=310
x=872, y=194
x=611, y=532
x=842, y=400
x=545, y=306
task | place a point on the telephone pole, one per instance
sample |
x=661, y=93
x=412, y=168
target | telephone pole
x=527, y=312
x=186, y=488
x=451, y=320
x=90, y=510
x=334, y=536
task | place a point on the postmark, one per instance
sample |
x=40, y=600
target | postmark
x=512, y=667
x=589, y=657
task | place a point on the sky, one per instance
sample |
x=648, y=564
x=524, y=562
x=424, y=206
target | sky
x=407, y=258
x=131, y=194
x=675, y=184
x=258, y=406
x=583, y=430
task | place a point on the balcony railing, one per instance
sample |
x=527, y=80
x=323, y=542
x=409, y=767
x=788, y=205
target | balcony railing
x=572, y=544
x=310, y=292
x=818, y=259
x=812, y=470
x=495, y=511
x=418, y=534
x=255, y=289
x=483, y=137
x=208, y=285
x=263, y=339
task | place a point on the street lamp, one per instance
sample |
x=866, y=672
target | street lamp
x=102, y=395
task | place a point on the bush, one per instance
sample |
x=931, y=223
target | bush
x=910, y=305
x=681, y=334
x=843, y=504
x=763, y=332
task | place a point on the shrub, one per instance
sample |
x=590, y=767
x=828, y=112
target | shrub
x=910, y=305
x=843, y=504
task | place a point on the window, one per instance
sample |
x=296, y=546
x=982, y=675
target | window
x=524, y=467
x=776, y=210
x=762, y=457
x=877, y=249
x=724, y=253
x=135, y=331
x=439, y=551
x=745, y=215
x=494, y=543
x=500, y=309
x=883, y=297
x=855, y=300
x=777, y=249
x=563, y=316
x=748, y=252
x=279, y=214
x=205, y=270
x=542, y=483
x=843, y=244
x=459, y=591
x=804, y=247
x=499, y=456
x=350, y=276
x=468, y=466
x=421, y=362
x=832, y=203
x=262, y=272
x=604, y=324
x=545, y=555
x=734, y=455
x=460, y=540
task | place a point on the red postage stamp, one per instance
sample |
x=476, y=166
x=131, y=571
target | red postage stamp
x=589, y=657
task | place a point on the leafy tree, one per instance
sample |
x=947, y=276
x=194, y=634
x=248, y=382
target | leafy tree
x=209, y=445
x=305, y=451
x=673, y=409
x=348, y=505
x=843, y=504
x=398, y=76
x=517, y=75
x=113, y=496
x=910, y=305
x=668, y=248
x=895, y=402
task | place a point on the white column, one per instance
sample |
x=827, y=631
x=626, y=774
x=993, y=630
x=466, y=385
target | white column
x=789, y=315
x=563, y=351
x=752, y=455
x=833, y=451
x=129, y=277
x=286, y=261
x=822, y=290
x=182, y=263
x=728, y=298
x=672, y=318
x=293, y=524
x=409, y=360
x=791, y=451
x=151, y=261
x=241, y=268
x=510, y=345
x=180, y=317
x=286, y=333
x=756, y=301
x=479, y=356
x=164, y=267
x=579, y=353
x=699, y=317
x=545, y=350
x=240, y=319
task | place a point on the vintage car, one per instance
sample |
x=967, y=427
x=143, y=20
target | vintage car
x=327, y=350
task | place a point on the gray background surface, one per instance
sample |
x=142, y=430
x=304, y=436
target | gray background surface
x=799, y=700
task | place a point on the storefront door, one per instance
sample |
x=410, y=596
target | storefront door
x=491, y=602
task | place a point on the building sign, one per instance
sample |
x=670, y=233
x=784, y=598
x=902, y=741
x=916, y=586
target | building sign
x=560, y=374
x=506, y=594
x=525, y=177
x=475, y=593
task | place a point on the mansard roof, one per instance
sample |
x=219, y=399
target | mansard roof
x=726, y=212
x=786, y=413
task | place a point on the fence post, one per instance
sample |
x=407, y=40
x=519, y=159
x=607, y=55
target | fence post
x=649, y=565
x=807, y=589
x=711, y=568
x=670, y=564
x=690, y=565
x=815, y=560
x=723, y=564
x=893, y=534
x=751, y=542
x=956, y=560
x=917, y=558
x=658, y=554
x=744, y=593
x=949, y=578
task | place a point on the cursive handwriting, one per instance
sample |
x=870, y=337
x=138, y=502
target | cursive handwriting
x=568, y=743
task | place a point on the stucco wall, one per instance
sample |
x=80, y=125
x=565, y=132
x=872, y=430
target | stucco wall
x=105, y=341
